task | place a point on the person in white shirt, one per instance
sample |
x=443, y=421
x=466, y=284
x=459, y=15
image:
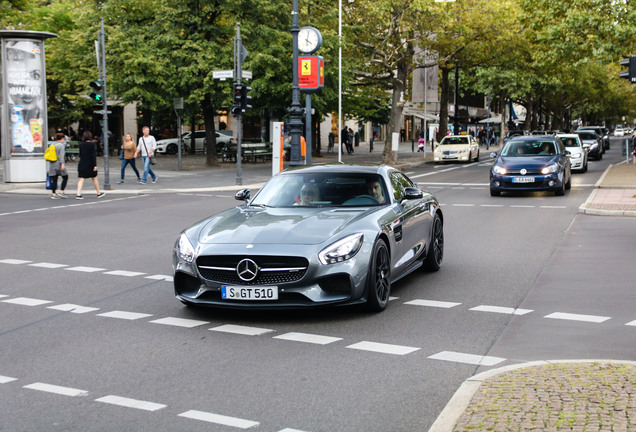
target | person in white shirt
x=147, y=145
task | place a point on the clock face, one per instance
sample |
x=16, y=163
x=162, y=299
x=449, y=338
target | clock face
x=309, y=39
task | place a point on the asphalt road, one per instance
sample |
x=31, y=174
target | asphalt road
x=92, y=338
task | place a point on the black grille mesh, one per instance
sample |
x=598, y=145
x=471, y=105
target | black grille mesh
x=267, y=275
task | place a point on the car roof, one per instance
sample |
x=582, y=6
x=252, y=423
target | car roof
x=337, y=168
x=532, y=137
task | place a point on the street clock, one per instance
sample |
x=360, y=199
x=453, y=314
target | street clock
x=309, y=39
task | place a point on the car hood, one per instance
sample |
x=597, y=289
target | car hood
x=528, y=162
x=456, y=147
x=297, y=225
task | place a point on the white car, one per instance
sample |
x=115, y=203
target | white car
x=578, y=152
x=457, y=148
x=171, y=145
x=619, y=132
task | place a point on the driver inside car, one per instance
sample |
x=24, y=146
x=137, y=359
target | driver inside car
x=374, y=189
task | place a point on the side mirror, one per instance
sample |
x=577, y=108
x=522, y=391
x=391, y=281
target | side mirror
x=243, y=195
x=412, y=193
x=493, y=155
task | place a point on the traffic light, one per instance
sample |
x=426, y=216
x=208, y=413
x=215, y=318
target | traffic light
x=98, y=91
x=630, y=73
x=245, y=98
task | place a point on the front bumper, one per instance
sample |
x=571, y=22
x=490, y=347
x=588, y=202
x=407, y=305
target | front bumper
x=552, y=181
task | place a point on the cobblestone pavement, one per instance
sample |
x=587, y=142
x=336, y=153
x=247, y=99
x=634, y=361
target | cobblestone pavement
x=591, y=396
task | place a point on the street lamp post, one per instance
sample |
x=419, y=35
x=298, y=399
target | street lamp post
x=296, y=111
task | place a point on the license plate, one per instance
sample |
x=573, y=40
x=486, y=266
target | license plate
x=523, y=179
x=450, y=157
x=249, y=293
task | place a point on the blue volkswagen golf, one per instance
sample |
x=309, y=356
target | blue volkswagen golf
x=531, y=163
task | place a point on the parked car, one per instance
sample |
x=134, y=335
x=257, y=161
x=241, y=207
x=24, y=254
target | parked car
x=321, y=235
x=457, y=148
x=531, y=163
x=592, y=141
x=619, y=132
x=602, y=132
x=171, y=145
x=578, y=153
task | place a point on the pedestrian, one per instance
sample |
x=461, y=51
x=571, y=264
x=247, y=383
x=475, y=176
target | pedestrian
x=350, y=140
x=344, y=137
x=130, y=151
x=87, y=165
x=332, y=139
x=146, y=147
x=420, y=145
x=58, y=168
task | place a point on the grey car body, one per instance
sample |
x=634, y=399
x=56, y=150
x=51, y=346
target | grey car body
x=344, y=247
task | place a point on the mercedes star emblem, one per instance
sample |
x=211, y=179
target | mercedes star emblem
x=523, y=171
x=247, y=270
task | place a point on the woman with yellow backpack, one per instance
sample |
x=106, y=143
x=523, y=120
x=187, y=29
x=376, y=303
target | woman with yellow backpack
x=57, y=167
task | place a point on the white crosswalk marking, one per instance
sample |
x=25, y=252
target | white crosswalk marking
x=73, y=308
x=383, y=348
x=180, y=322
x=309, y=338
x=577, y=317
x=160, y=277
x=243, y=330
x=123, y=273
x=130, y=403
x=632, y=323
x=501, y=310
x=14, y=261
x=6, y=379
x=25, y=301
x=124, y=315
x=48, y=265
x=49, y=388
x=432, y=303
x=219, y=419
x=85, y=269
x=452, y=356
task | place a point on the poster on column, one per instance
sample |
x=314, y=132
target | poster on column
x=25, y=83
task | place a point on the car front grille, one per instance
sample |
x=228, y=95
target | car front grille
x=272, y=270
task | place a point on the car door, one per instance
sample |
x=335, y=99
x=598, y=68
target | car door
x=414, y=219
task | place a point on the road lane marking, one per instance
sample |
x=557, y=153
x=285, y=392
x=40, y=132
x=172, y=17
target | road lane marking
x=432, y=303
x=3, y=295
x=25, y=301
x=180, y=322
x=632, y=323
x=577, y=317
x=383, y=348
x=85, y=269
x=73, y=308
x=124, y=315
x=219, y=419
x=160, y=277
x=473, y=359
x=501, y=310
x=130, y=403
x=309, y=338
x=14, y=261
x=242, y=330
x=48, y=265
x=123, y=273
x=50, y=388
x=6, y=379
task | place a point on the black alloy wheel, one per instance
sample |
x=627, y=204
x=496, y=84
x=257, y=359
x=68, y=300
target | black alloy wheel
x=379, y=282
x=435, y=254
x=172, y=149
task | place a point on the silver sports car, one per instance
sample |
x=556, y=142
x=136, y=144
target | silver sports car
x=321, y=235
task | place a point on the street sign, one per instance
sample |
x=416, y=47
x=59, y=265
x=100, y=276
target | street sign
x=225, y=74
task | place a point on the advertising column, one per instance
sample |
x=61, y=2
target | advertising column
x=23, y=122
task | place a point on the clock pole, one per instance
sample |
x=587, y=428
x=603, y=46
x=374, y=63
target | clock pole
x=296, y=111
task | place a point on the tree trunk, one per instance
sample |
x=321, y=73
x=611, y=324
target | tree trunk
x=443, y=104
x=211, y=159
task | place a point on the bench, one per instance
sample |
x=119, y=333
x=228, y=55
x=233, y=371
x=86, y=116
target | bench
x=250, y=152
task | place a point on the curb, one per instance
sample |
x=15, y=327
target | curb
x=460, y=401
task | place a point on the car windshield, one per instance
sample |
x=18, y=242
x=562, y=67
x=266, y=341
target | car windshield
x=587, y=135
x=322, y=190
x=454, y=140
x=539, y=147
x=570, y=141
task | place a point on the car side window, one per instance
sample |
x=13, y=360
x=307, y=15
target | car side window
x=399, y=182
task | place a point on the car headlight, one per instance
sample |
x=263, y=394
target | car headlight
x=185, y=250
x=550, y=169
x=497, y=169
x=575, y=155
x=341, y=250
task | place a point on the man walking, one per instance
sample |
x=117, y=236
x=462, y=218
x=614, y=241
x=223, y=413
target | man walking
x=146, y=147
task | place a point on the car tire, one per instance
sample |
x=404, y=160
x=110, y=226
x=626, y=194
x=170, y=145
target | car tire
x=560, y=191
x=379, y=278
x=568, y=185
x=172, y=149
x=435, y=253
x=494, y=192
x=477, y=157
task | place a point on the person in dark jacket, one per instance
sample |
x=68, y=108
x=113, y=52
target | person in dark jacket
x=87, y=166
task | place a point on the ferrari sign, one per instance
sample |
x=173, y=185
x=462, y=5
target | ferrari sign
x=310, y=73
